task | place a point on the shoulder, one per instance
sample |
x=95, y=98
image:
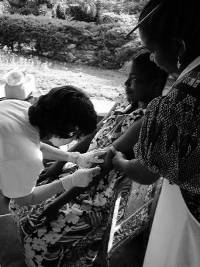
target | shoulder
x=14, y=103
x=190, y=82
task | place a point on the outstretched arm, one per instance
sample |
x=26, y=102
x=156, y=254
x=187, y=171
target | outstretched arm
x=124, y=161
x=126, y=142
x=80, y=178
x=56, y=168
x=123, y=157
x=134, y=169
x=123, y=144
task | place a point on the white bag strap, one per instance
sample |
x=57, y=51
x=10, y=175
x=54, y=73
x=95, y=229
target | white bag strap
x=190, y=67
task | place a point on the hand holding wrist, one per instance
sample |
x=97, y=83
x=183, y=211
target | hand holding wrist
x=80, y=178
x=120, y=162
x=86, y=160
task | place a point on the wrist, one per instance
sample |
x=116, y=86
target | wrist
x=74, y=156
x=124, y=165
x=67, y=182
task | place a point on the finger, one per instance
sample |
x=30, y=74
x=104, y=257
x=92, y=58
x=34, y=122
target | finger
x=62, y=175
x=97, y=160
x=99, y=152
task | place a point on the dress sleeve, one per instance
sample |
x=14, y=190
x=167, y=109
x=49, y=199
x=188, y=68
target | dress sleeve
x=169, y=141
x=20, y=166
x=148, y=138
x=157, y=146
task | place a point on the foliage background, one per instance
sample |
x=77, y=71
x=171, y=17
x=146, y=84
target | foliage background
x=100, y=42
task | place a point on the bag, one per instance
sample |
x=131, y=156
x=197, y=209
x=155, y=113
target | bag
x=175, y=236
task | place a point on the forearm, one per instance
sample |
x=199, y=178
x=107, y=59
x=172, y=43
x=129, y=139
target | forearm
x=53, y=153
x=126, y=142
x=138, y=172
x=81, y=147
x=41, y=193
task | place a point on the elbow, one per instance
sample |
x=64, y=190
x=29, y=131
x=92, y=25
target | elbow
x=148, y=179
x=142, y=174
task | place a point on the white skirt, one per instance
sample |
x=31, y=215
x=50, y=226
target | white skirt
x=175, y=235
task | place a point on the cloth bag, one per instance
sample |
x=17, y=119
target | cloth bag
x=175, y=236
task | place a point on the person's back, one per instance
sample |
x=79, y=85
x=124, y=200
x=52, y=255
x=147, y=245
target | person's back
x=20, y=149
x=13, y=114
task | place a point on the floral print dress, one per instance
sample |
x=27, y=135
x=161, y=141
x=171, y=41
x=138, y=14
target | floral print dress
x=74, y=236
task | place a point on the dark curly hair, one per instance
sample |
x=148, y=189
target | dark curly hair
x=62, y=111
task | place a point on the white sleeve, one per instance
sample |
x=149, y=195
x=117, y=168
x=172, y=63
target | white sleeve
x=20, y=166
x=18, y=177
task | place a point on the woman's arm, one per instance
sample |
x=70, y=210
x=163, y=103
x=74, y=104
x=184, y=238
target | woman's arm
x=134, y=169
x=80, y=178
x=53, y=153
x=41, y=193
x=56, y=168
x=126, y=142
x=84, y=160
x=123, y=144
x=82, y=146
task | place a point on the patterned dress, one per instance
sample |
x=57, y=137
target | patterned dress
x=169, y=142
x=74, y=236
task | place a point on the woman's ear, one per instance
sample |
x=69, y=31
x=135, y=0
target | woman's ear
x=181, y=48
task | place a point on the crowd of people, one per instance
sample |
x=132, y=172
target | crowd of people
x=146, y=136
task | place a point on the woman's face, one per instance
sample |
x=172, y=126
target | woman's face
x=163, y=54
x=137, y=85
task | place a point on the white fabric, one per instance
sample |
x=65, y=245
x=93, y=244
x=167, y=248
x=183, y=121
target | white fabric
x=190, y=67
x=20, y=155
x=175, y=236
x=25, y=85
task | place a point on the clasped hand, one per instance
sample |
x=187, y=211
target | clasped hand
x=80, y=178
x=119, y=161
x=87, y=160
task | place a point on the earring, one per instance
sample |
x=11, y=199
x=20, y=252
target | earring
x=152, y=57
x=178, y=63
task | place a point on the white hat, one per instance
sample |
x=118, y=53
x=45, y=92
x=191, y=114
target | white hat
x=17, y=84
